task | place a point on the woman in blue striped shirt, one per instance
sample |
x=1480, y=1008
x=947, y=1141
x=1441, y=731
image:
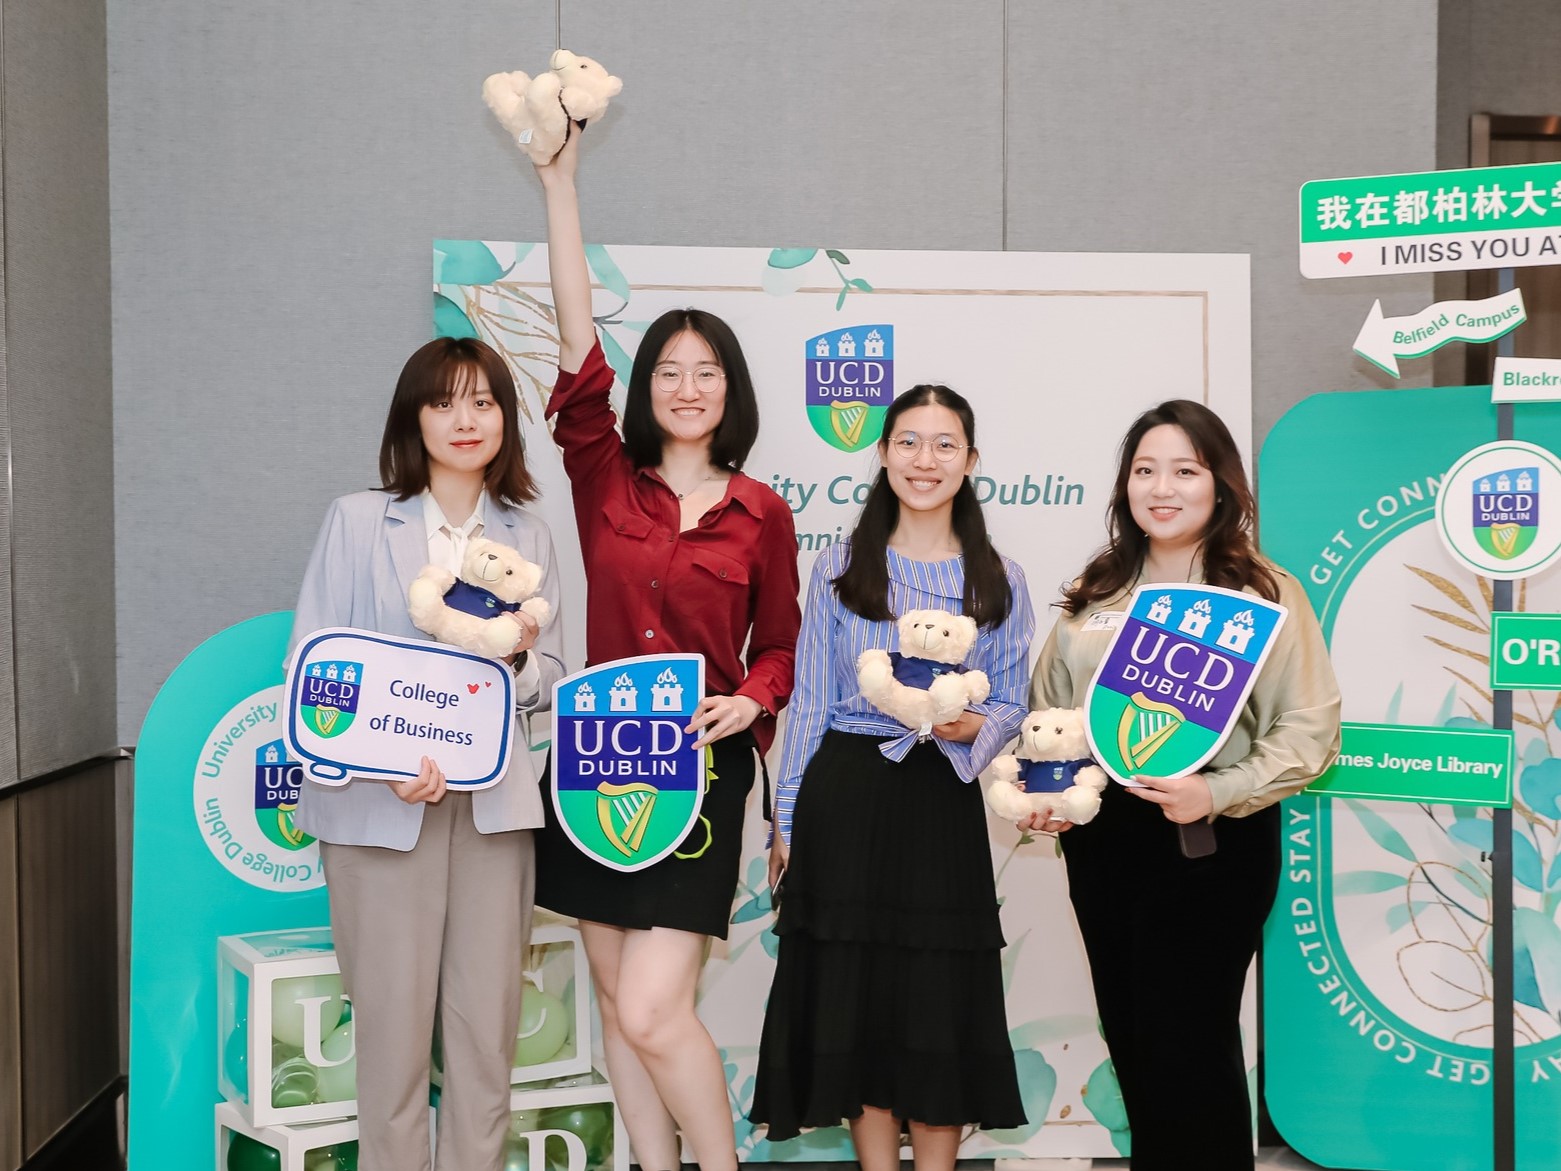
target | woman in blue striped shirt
x=887, y=1006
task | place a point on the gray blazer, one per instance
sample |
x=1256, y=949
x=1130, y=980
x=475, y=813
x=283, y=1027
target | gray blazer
x=369, y=550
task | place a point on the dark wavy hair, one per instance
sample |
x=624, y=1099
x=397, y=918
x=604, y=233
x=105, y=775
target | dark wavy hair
x=739, y=426
x=437, y=371
x=1230, y=555
x=863, y=587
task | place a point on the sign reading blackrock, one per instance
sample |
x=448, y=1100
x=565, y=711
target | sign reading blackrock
x=627, y=784
x=1174, y=679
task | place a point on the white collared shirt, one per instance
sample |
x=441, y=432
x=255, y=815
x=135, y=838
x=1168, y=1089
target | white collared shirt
x=447, y=547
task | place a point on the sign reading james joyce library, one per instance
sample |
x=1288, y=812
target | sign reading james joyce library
x=1177, y=672
x=368, y=705
x=626, y=782
x=1395, y=762
x=1433, y=221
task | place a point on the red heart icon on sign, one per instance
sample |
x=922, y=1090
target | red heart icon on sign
x=487, y=682
x=1346, y=257
x=472, y=687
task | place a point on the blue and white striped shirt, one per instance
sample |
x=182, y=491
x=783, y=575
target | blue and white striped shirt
x=832, y=638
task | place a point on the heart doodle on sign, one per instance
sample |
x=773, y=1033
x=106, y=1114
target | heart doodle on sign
x=472, y=687
x=1346, y=257
x=487, y=682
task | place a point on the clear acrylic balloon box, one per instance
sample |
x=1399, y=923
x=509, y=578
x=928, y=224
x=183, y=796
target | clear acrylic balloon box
x=554, y=1038
x=322, y=1146
x=285, y=1046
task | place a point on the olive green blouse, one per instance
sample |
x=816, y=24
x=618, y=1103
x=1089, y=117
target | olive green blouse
x=1285, y=736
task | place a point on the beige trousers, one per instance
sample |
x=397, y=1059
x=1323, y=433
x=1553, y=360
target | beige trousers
x=439, y=927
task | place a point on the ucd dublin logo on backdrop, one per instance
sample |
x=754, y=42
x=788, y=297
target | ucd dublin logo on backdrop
x=626, y=783
x=329, y=699
x=1488, y=511
x=1174, y=679
x=246, y=789
x=277, y=781
x=850, y=383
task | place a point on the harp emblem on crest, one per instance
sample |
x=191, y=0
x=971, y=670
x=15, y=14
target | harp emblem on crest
x=1145, y=726
x=623, y=812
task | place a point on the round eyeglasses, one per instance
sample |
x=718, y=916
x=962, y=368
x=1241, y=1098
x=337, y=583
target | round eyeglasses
x=908, y=444
x=669, y=379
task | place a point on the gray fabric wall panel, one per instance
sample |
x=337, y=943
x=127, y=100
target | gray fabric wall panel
x=58, y=380
x=1135, y=125
x=276, y=185
x=876, y=124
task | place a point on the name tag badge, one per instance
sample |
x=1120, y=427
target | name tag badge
x=1105, y=620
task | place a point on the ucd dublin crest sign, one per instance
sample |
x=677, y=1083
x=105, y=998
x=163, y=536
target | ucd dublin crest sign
x=1497, y=510
x=626, y=782
x=850, y=384
x=1169, y=689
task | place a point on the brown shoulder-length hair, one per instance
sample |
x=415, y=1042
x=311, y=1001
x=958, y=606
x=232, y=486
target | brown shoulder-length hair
x=445, y=368
x=1230, y=556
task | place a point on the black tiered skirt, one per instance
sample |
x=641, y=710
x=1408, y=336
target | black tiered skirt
x=888, y=984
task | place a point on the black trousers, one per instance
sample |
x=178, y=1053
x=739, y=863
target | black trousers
x=1169, y=941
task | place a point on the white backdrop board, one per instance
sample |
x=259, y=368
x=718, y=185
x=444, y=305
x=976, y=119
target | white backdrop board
x=1057, y=353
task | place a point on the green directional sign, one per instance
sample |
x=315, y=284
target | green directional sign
x=1443, y=766
x=1432, y=221
x=1525, y=652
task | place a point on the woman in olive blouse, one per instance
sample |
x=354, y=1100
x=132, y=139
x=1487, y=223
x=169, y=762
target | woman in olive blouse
x=1170, y=938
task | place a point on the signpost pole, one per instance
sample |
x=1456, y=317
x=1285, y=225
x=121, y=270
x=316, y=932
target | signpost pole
x=1504, y=1113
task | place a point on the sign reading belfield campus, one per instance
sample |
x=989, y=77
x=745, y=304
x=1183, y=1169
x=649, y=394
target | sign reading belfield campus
x=1432, y=221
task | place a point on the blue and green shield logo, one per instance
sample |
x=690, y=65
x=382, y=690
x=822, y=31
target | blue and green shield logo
x=277, y=781
x=850, y=384
x=627, y=783
x=328, y=700
x=1170, y=686
x=1506, y=511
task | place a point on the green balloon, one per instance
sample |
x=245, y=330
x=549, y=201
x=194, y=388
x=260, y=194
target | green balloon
x=517, y=1154
x=245, y=1154
x=592, y=1123
x=544, y=1027
x=294, y=1082
x=339, y=1083
x=347, y=1155
x=287, y=1009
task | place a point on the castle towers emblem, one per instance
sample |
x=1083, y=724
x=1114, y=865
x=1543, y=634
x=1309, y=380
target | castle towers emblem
x=585, y=698
x=666, y=694
x=1161, y=610
x=623, y=696
x=1238, y=631
x=1195, y=619
x=1485, y=484
x=1504, y=483
x=846, y=346
x=350, y=675
x=1525, y=481
x=872, y=345
x=821, y=348
x=331, y=671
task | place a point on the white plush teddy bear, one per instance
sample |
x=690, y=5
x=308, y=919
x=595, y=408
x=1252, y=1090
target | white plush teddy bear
x=1050, y=770
x=474, y=611
x=923, y=684
x=537, y=110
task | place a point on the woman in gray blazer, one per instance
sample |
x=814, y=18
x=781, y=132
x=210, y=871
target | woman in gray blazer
x=431, y=891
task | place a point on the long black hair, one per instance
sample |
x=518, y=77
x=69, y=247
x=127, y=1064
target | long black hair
x=863, y=587
x=1230, y=556
x=739, y=426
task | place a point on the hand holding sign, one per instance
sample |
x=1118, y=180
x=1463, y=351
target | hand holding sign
x=371, y=706
x=1183, y=799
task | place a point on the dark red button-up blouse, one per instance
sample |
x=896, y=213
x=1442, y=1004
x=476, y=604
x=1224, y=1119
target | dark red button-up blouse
x=731, y=580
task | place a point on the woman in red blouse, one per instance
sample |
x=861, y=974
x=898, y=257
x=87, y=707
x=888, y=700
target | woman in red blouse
x=683, y=552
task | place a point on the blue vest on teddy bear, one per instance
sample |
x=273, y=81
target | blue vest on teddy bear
x=914, y=672
x=476, y=601
x=1049, y=776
